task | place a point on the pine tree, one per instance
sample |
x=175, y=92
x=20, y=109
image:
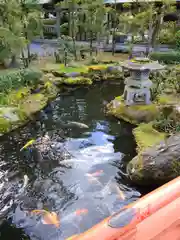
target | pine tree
x=94, y=19
x=149, y=17
x=11, y=39
x=30, y=12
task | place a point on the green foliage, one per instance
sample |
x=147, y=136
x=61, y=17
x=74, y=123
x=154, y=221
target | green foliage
x=64, y=29
x=65, y=50
x=177, y=38
x=167, y=33
x=19, y=24
x=168, y=121
x=159, y=80
x=94, y=23
x=166, y=57
x=10, y=80
x=166, y=81
x=30, y=76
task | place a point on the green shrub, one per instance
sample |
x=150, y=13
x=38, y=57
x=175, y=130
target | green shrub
x=14, y=79
x=166, y=57
x=168, y=121
x=167, y=37
x=30, y=76
x=64, y=29
x=177, y=38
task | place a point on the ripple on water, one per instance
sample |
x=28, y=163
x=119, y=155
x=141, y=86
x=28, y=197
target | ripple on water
x=82, y=186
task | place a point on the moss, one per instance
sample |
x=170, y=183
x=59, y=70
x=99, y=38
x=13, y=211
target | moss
x=5, y=125
x=11, y=118
x=78, y=81
x=134, y=114
x=60, y=68
x=50, y=90
x=176, y=166
x=136, y=164
x=119, y=98
x=167, y=99
x=146, y=136
x=98, y=67
x=17, y=95
x=34, y=103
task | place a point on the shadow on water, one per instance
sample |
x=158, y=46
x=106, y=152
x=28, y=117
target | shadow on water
x=74, y=168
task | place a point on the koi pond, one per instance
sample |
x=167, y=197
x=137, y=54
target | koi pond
x=76, y=171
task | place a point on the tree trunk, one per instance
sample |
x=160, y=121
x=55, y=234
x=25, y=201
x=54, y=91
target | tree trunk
x=14, y=63
x=74, y=48
x=73, y=34
x=25, y=60
x=91, y=43
x=28, y=53
x=157, y=26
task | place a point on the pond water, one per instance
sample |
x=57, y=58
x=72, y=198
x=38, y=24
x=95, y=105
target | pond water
x=80, y=176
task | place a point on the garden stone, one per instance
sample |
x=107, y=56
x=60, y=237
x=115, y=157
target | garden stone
x=157, y=164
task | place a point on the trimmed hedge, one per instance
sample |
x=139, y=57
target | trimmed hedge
x=166, y=57
x=14, y=79
x=177, y=37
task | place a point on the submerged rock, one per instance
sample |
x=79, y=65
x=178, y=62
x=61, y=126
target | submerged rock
x=49, y=148
x=134, y=114
x=157, y=164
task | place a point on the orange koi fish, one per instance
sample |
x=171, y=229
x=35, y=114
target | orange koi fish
x=82, y=211
x=50, y=218
x=95, y=174
x=74, y=215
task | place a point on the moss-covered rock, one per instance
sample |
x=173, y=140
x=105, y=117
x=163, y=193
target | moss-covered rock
x=157, y=164
x=34, y=103
x=77, y=81
x=17, y=96
x=60, y=70
x=5, y=126
x=11, y=118
x=98, y=67
x=50, y=90
x=146, y=136
x=134, y=114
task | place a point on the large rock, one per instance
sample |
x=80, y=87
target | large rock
x=34, y=103
x=134, y=114
x=157, y=164
x=10, y=118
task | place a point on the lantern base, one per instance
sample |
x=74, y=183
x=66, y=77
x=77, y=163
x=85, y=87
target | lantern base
x=136, y=96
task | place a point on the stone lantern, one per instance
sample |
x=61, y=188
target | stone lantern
x=137, y=86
